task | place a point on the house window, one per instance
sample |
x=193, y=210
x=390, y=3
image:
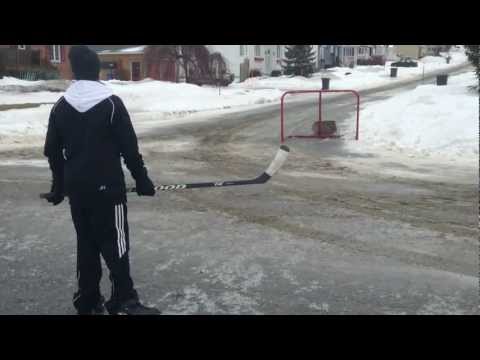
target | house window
x=257, y=50
x=55, y=56
x=279, y=51
x=242, y=50
x=22, y=47
x=348, y=51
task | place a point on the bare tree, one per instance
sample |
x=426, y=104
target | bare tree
x=196, y=61
x=156, y=54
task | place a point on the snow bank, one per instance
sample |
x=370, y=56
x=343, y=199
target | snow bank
x=8, y=81
x=40, y=97
x=24, y=126
x=149, y=103
x=172, y=98
x=21, y=88
x=429, y=121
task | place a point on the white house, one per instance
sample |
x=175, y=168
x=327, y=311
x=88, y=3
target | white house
x=348, y=55
x=264, y=58
x=387, y=51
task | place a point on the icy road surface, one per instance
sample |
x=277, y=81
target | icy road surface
x=323, y=237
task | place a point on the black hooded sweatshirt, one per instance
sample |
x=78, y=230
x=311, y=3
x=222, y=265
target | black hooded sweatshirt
x=89, y=130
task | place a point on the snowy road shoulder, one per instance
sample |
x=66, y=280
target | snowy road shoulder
x=430, y=124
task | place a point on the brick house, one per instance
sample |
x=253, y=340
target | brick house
x=129, y=63
x=35, y=61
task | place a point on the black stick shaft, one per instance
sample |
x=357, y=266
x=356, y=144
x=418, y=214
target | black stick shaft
x=275, y=165
x=172, y=187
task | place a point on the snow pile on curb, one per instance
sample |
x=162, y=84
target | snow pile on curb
x=37, y=97
x=20, y=88
x=149, y=102
x=8, y=81
x=24, y=126
x=172, y=98
x=432, y=121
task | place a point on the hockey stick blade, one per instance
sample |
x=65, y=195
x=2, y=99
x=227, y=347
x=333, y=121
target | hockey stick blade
x=278, y=161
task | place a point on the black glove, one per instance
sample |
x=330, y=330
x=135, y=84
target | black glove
x=144, y=186
x=55, y=196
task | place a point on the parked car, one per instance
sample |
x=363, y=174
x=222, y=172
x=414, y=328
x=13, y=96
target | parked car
x=405, y=62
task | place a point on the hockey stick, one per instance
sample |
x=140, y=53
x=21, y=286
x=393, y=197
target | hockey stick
x=275, y=165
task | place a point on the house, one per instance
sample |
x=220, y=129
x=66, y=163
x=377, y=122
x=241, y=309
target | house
x=35, y=61
x=131, y=63
x=419, y=51
x=127, y=62
x=348, y=55
x=122, y=63
x=241, y=59
x=386, y=51
x=411, y=51
x=434, y=50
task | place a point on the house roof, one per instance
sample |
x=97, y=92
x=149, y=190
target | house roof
x=117, y=49
x=125, y=51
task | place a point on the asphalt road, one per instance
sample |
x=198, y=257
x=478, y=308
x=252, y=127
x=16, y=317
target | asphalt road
x=321, y=237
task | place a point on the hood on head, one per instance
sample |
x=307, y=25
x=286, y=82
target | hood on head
x=85, y=94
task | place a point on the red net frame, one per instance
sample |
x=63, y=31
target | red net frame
x=319, y=92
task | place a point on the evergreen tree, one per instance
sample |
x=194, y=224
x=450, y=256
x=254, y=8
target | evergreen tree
x=473, y=53
x=299, y=60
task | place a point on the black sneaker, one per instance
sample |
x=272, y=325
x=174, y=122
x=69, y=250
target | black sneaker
x=134, y=307
x=99, y=309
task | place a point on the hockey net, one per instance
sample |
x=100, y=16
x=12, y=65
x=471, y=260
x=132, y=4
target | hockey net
x=306, y=114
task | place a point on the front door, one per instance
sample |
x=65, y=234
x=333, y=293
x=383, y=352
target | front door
x=136, y=71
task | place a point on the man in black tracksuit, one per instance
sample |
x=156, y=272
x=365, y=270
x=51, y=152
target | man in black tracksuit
x=89, y=131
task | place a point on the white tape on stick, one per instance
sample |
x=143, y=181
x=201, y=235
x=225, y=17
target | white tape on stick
x=278, y=161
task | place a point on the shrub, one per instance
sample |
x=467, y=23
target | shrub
x=374, y=60
x=276, y=73
x=255, y=73
x=33, y=75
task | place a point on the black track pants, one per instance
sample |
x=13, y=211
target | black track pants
x=102, y=230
